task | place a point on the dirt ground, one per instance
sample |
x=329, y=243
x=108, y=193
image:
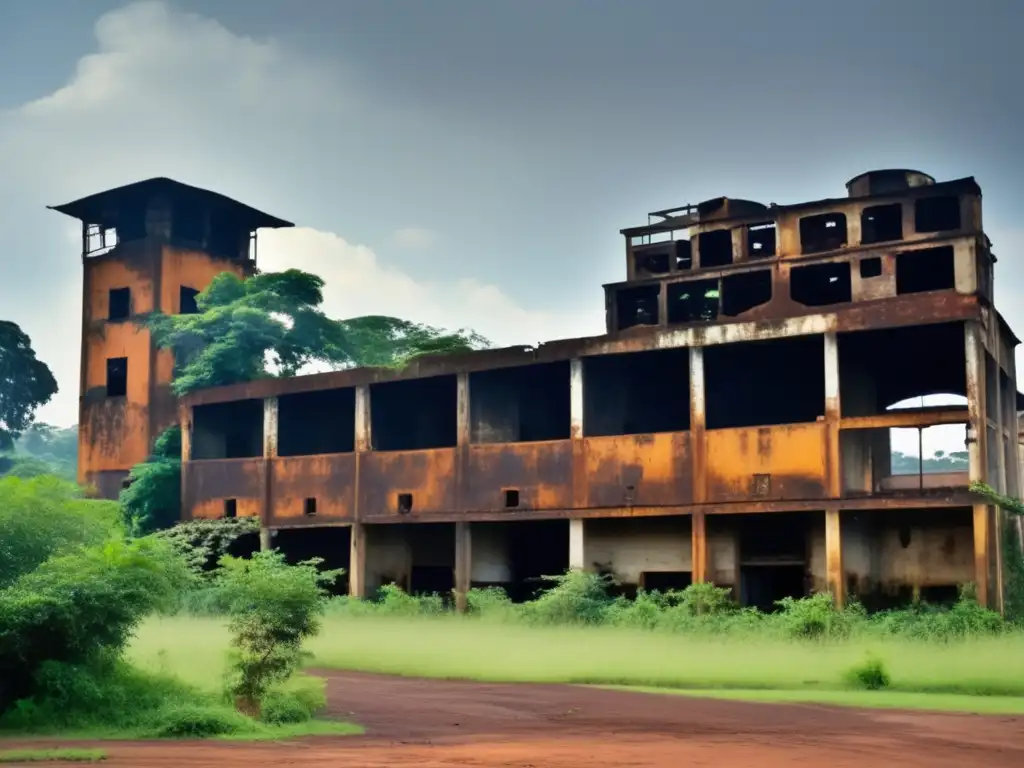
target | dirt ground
x=429, y=724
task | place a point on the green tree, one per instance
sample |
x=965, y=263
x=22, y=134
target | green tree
x=25, y=383
x=152, y=500
x=272, y=324
x=55, y=447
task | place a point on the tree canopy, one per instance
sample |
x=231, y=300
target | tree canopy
x=272, y=324
x=25, y=383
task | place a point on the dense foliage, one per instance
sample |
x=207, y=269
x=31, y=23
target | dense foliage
x=152, y=500
x=250, y=328
x=25, y=383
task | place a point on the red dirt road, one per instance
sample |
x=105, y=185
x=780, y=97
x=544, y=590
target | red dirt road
x=430, y=724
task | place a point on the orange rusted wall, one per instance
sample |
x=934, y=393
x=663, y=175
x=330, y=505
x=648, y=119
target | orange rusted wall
x=656, y=467
x=207, y=484
x=794, y=456
x=117, y=433
x=328, y=479
x=541, y=472
x=430, y=476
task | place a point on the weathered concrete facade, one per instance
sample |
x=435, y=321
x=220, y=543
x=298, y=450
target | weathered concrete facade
x=732, y=425
x=146, y=247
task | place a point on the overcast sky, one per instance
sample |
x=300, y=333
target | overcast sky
x=470, y=162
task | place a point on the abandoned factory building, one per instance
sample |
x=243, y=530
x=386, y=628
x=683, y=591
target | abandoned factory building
x=734, y=424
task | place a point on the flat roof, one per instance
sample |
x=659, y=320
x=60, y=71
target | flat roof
x=96, y=208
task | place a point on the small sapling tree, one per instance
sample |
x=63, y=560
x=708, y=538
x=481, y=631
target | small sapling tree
x=273, y=608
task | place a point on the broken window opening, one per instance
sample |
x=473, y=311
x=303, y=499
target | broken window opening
x=187, y=304
x=188, y=225
x=626, y=394
x=528, y=403
x=651, y=261
x=819, y=285
x=228, y=239
x=794, y=392
x=933, y=269
x=117, y=376
x=773, y=558
x=119, y=304
x=232, y=430
x=937, y=214
x=637, y=305
x=683, y=255
x=693, y=301
x=743, y=292
x=230, y=508
x=881, y=223
x=870, y=267
x=715, y=248
x=822, y=232
x=99, y=239
x=404, y=503
x=310, y=423
x=944, y=451
x=761, y=240
x=414, y=415
x=309, y=508
x=511, y=498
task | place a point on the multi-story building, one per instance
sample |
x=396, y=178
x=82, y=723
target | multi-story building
x=149, y=246
x=732, y=426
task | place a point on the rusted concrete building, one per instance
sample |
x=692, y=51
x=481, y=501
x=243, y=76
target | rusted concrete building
x=732, y=425
x=149, y=246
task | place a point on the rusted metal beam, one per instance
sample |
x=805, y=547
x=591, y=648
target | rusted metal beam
x=919, y=417
x=699, y=547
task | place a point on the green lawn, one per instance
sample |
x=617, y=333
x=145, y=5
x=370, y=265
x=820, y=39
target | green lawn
x=459, y=648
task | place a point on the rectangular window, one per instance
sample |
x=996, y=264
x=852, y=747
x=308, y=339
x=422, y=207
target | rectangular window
x=119, y=304
x=822, y=232
x=117, y=376
x=187, y=301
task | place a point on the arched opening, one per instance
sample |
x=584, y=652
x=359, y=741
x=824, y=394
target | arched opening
x=928, y=450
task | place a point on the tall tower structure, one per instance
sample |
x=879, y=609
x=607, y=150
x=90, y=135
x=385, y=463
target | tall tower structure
x=148, y=246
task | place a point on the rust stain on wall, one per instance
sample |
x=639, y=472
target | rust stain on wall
x=637, y=470
x=427, y=478
x=540, y=474
x=206, y=485
x=328, y=480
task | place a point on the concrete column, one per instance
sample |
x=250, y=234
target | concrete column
x=577, y=553
x=699, y=548
x=364, y=437
x=835, y=576
x=357, y=561
x=463, y=564
x=977, y=439
x=270, y=439
x=834, y=471
x=982, y=551
x=698, y=448
x=576, y=398
x=462, y=420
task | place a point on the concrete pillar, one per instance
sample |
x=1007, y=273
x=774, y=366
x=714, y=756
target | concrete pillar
x=270, y=439
x=982, y=551
x=576, y=398
x=699, y=547
x=364, y=437
x=835, y=575
x=463, y=564
x=834, y=471
x=462, y=419
x=357, y=561
x=698, y=448
x=977, y=439
x=577, y=553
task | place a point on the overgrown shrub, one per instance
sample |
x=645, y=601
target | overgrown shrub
x=869, y=675
x=576, y=597
x=296, y=702
x=815, y=617
x=273, y=607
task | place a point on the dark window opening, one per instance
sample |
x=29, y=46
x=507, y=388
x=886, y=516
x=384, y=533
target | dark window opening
x=684, y=255
x=432, y=580
x=880, y=368
x=117, y=376
x=413, y=415
x=937, y=214
x=743, y=292
x=333, y=546
x=650, y=260
x=189, y=222
x=309, y=508
x=187, y=304
x=773, y=559
x=820, y=285
x=316, y=422
x=881, y=224
x=226, y=238
x=790, y=388
x=404, y=503
x=823, y=232
x=870, y=267
x=511, y=498
x=120, y=304
x=761, y=241
x=637, y=306
x=715, y=248
x=231, y=430
x=665, y=581
x=636, y=393
x=230, y=508
x=522, y=404
x=933, y=269
x=692, y=301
